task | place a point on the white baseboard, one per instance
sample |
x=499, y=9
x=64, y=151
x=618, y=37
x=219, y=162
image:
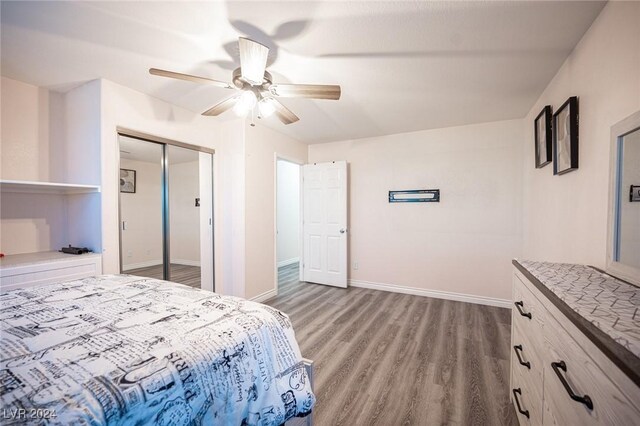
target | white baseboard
x=185, y=262
x=288, y=262
x=264, y=296
x=138, y=265
x=469, y=298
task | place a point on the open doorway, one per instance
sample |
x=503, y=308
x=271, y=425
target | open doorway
x=288, y=237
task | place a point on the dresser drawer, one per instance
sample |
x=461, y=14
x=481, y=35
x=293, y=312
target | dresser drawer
x=64, y=268
x=526, y=400
x=527, y=375
x=527, y=311
x=568, y=368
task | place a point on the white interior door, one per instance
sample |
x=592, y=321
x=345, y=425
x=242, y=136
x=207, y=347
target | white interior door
x=325, y=223
x=206, y=221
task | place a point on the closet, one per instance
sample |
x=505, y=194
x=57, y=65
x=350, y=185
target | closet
x=165, y=208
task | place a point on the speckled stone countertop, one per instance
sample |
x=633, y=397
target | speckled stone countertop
x=605, y=308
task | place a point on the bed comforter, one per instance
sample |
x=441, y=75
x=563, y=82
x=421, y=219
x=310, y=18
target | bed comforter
x=119, y=349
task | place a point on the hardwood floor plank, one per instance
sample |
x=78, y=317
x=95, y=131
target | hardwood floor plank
x=183, y=274
x=473, y=393
x=389, y=359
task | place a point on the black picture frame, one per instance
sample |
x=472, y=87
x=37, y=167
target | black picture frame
x=565, y=137
x=543, y=145
x=127, y=184
x=634, y=194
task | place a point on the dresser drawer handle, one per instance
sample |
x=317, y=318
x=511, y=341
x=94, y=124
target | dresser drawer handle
x=517, y=392
x=520, y=305
x=518, y=349
x=557, y=366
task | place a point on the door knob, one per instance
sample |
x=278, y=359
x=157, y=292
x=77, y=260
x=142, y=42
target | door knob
x=342, y=230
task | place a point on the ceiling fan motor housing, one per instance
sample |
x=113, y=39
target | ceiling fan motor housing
x=242, y=84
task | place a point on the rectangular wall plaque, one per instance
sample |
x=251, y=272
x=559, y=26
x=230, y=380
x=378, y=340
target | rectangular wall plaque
x=634, y=193
x=415, y=196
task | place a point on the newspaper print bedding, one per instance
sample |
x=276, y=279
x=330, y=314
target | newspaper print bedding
x=119, y=349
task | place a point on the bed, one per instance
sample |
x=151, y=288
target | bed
x=119, y=349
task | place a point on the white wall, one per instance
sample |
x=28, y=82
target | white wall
x=32, y=133
x=288, y=212
x=465, y=243
x=630, y=212
x=230, y=203
x=184, y=188
x=262, y=145
x=31, y=223
x=565, y=217
x=142, y=211
x=82, y=115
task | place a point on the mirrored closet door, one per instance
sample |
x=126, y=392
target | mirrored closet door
x=166, y=226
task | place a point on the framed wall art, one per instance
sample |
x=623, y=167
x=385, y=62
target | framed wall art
x=128, y=181
x=542, y=137
x=565, y=137
x=415, y=196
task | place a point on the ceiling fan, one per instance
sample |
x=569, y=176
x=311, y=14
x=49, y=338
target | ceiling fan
x=256, y=86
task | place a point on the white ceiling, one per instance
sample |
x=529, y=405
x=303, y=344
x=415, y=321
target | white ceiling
x=403, y=66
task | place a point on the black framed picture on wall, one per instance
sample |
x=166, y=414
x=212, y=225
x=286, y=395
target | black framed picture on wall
x=542, y=137
x=565, y=137
x=128, y=181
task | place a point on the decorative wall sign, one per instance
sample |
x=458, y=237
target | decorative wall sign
x=415, y=196
x=543, y=137
x=565, y=137
x=634, y=193
x=128, y=181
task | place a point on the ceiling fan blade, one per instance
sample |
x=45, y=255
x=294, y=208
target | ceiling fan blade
x=283, y=113
x=253, y=60
x=189, y=77
x=313, y=91
x=223, y=106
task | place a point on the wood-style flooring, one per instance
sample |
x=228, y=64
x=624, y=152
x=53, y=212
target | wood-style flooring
x=183, y=274
x=394, y=359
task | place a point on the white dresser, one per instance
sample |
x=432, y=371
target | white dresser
x=30, y=269
x=575, y=339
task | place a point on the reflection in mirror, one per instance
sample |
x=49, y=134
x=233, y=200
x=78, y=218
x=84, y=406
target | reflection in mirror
x=627, y=244
x=141, y=189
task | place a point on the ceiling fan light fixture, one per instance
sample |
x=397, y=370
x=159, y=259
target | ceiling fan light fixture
x=241, y=110
x=248, y=99
x=266, y=108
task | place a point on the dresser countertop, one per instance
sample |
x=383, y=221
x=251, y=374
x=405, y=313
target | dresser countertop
x=604, y=308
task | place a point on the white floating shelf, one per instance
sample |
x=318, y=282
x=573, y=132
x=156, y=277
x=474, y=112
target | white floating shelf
x=22, y=186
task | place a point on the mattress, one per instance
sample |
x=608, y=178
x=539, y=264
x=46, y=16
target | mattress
x=118, y=349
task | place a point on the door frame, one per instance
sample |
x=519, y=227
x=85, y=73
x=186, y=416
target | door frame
x=164, y=142
x=280, y=157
